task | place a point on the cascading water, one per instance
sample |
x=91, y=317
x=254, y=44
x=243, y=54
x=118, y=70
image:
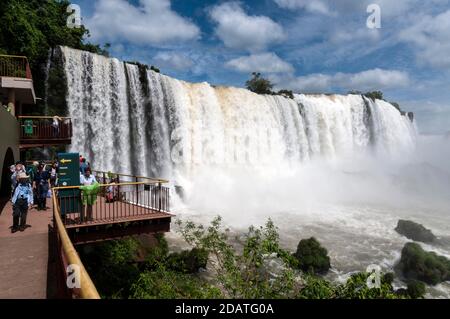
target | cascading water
x=337, y=167
x=146, y=123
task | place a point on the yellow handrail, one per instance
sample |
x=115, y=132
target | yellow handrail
x=13, y=56
x=100, y=185
x=43, y=117
x=157, y=180
x=87, y=290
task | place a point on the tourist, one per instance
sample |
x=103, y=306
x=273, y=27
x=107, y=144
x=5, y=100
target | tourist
x=53, y=174
x=41, y=185
x=112, y=192
x=22, y=200
x=87, y=180
x=81, y=159
x=83, y=166
x=55, y=125
x=19, y=168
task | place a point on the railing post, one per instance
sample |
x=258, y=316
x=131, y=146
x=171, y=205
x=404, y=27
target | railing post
x=159, y=196
x=137, y=191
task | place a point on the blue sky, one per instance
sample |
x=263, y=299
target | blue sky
x=302, y=45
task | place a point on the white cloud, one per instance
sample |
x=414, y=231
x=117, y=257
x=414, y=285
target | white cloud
x=238, y=30
x=151, y=23
x=375, y=79
x=263, y=62
x=431, y=37
x=172, y=60
x=309, y=5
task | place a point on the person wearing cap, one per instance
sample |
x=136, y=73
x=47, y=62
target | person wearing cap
x=22, y=199
x=19, y=168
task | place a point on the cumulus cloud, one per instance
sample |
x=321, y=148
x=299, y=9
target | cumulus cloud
x=263, y=62
x=375, y=79
x=430, y=35
x=172, y=60
x=153, y=22
x=309, y=5
x=238, y=30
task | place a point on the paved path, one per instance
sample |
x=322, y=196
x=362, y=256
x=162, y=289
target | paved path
x=24, y=255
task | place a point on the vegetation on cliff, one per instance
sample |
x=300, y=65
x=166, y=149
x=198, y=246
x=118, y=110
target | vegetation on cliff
x=418, y=264
x=252, y=265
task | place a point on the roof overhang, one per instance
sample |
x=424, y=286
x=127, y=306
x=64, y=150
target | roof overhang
x=24, y=89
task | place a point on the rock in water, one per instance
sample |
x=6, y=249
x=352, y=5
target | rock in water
x=312, y=257
x=414, y=231
x=419, y=264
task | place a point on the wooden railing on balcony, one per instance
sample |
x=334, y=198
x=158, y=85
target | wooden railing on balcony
x=69, y=256
x=15, y=66
x=40, y=130
x=114, y=204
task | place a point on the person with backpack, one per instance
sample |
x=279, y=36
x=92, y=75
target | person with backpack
x=22, y=200
x=41, y=185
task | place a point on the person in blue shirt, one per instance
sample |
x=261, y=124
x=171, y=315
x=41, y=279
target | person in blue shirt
x=42, y=185
x=22, y=199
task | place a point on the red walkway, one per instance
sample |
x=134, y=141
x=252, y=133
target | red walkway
x=24, y=255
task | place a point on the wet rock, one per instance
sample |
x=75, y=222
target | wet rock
x=418, y=264
x=414, y=231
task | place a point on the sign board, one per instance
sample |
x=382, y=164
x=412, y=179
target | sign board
x=28, y=124
x=69, y=175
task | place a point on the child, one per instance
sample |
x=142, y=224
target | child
x=22, y=199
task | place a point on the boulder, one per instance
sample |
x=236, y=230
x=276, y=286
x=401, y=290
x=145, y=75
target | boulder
x=312, y=257
x=414, y=231
x=418, y=264
x=416, y=289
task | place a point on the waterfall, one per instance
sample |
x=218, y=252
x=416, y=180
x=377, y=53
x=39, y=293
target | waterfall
x=130, y=119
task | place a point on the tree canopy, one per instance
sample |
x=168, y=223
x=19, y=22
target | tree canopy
x=258, y=84
x=31, y=27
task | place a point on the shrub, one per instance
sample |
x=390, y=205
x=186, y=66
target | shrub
x=168, y=284
x=374, y=95
x=312, y=257
x=415, y=263
x=416, y=289
x=187, y=262
x=259, y=85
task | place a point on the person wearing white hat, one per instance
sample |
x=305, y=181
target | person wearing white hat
x=22, y=199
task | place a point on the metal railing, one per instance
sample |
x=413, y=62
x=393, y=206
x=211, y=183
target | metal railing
x=112, y=203
x=42, y=128
x=109, y=177
x=15, y=66
x=69, y=256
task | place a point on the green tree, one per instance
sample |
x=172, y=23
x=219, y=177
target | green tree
x=259, y=85
x=374, y=95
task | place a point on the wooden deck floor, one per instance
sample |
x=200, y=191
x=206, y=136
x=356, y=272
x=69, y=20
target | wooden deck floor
x=24, y=265
x=24, y=255
x=104, y=213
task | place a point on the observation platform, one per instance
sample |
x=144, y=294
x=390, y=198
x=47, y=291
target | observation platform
x=33, y=263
